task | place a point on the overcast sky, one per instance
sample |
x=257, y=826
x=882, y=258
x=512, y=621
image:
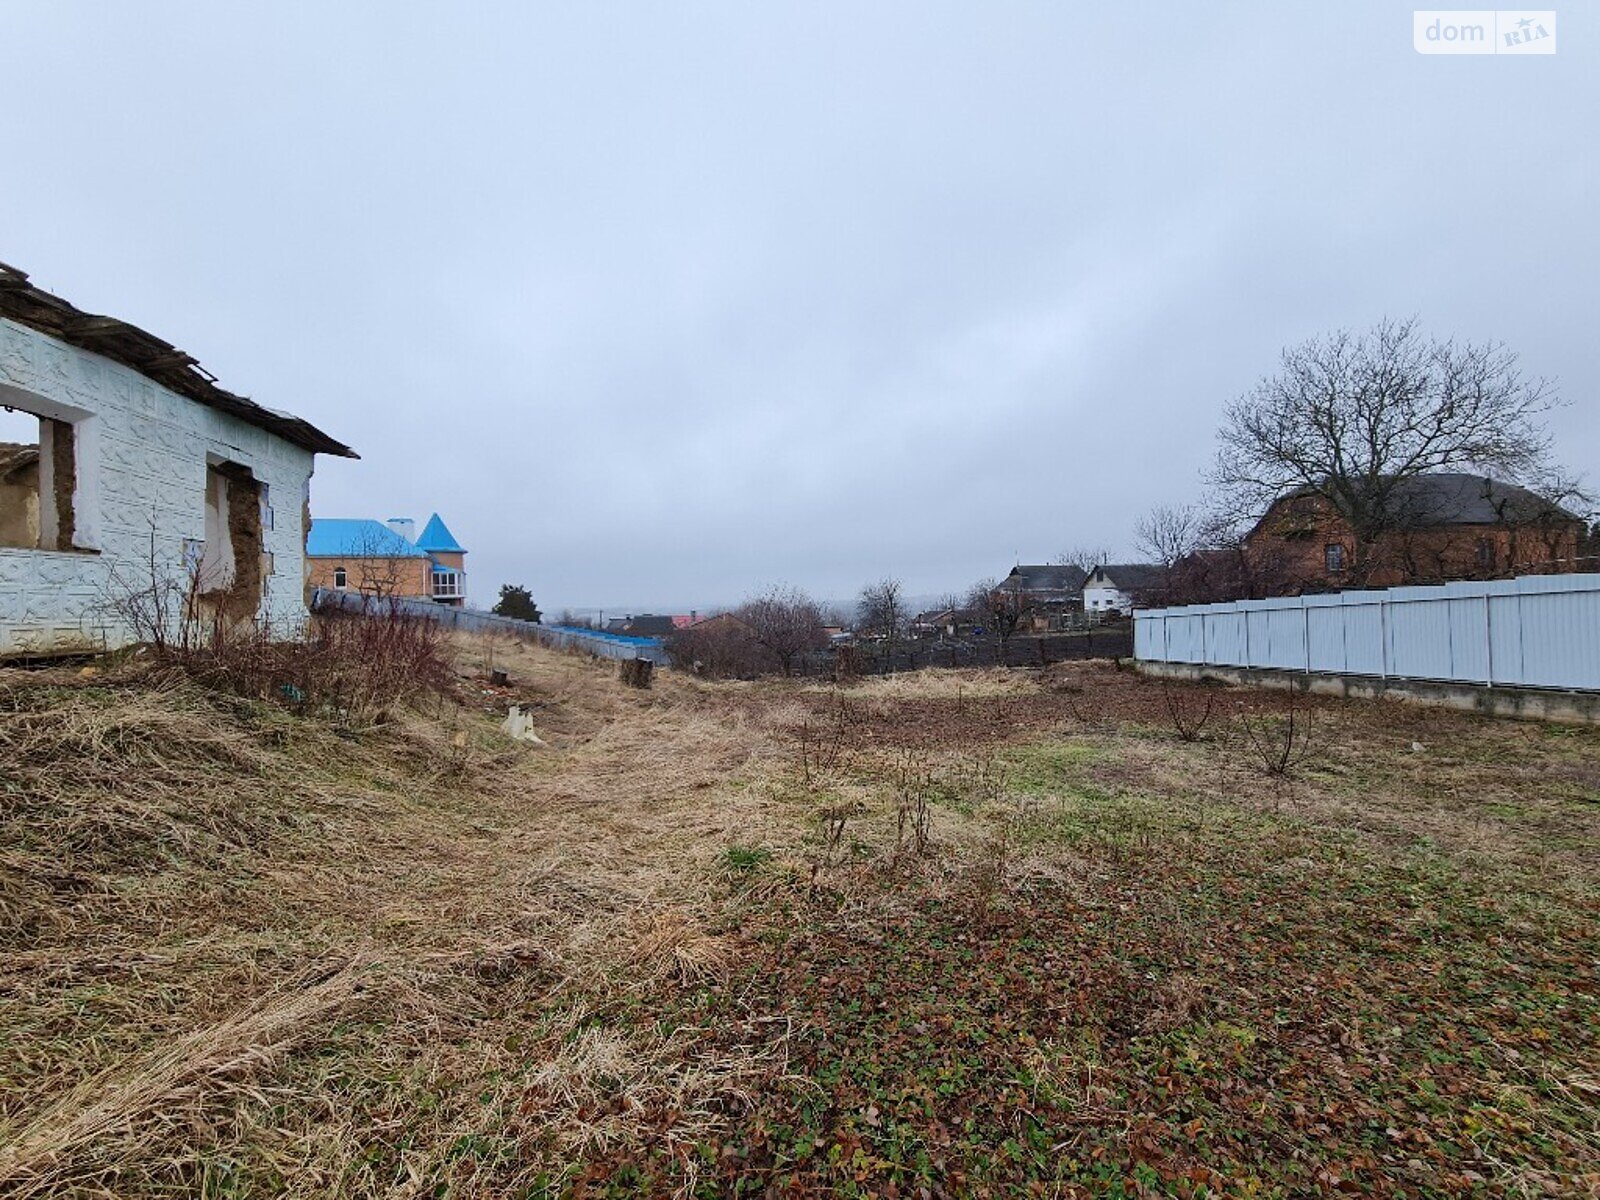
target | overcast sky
x=657, y=303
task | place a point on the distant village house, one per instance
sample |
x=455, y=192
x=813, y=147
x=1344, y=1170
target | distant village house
x=387, y=558
x=1119, y=588
x=1444, y=526
x=1046, y=596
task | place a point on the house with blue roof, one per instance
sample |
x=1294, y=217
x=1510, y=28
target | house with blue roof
x=388, y=558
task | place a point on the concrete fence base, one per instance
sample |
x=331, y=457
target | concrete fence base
x=1528, y=704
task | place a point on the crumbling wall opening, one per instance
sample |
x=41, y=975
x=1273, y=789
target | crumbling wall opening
x=38, y=481
x=230, y=575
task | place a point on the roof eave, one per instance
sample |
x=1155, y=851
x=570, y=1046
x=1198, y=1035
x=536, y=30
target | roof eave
x=157, y=360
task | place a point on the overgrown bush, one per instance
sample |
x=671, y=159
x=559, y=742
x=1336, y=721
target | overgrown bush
x=358, y=666
x=720, y=649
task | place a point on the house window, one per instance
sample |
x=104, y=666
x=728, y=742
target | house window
x=1333, y=554
x=341, y=578
x=1485, y=552
x=447, y=585
x=38, y=481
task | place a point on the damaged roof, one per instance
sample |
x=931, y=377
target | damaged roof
x=22, y=302
x=15, y=456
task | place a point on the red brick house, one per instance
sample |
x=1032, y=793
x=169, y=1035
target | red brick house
x=1442, y=526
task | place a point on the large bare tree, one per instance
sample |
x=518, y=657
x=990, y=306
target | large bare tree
x=1086, y=557
x=999, y=606
x=881, y=609
x=1169, y=533
x=1352, y=417
x=785, y=622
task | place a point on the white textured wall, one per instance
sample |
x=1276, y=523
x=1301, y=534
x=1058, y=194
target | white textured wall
x=141, y=459
x=1097, y=595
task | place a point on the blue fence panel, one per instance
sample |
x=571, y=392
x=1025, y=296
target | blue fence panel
x=590, y=641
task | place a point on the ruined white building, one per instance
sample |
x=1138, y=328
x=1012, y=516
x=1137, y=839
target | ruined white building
x=145, y=489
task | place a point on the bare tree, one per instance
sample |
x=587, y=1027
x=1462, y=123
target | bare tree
x=1352, y=417
x=1169, y=533
x=880, y=611
x=721, y=647
x=976, y=603
x=1086, y=557
x=999, y=606
x=382, y=566
x=785, y=622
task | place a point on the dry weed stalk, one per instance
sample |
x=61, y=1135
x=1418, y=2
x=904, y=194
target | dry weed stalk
x=834, y=817
x=991, y=777
x=821, y=744
x=914, y=784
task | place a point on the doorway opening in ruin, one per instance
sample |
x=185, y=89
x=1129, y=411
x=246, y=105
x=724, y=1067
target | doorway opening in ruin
x=230, y=576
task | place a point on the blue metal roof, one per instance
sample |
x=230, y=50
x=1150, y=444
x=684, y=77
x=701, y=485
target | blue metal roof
x=622, y=639
x=435, y=538
x=346, y=537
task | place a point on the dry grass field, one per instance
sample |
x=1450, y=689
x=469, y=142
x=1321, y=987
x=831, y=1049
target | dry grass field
x=945, y=934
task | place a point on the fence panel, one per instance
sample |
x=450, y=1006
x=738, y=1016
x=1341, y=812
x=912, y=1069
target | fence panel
x=1325, y=637
x=1224, y=636
x=1535, y=631
x=1419, y=638
x=1560, y=638
x=590, y=641
x=1469, y=637
x=1365, y=639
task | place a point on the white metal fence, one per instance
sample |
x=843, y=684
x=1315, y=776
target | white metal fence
x=1536, y=631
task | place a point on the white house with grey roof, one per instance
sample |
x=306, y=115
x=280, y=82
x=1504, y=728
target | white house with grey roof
x=125, y=471
x=1118, y=587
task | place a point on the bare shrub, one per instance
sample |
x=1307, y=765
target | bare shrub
x=991, y=777
x=353, y=665
x=1280, y=742
x=785, y=622
x=833, y=819
x=1184, y=709
x=718, y=648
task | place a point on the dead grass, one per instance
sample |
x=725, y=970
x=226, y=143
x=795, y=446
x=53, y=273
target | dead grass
x=245, y=950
